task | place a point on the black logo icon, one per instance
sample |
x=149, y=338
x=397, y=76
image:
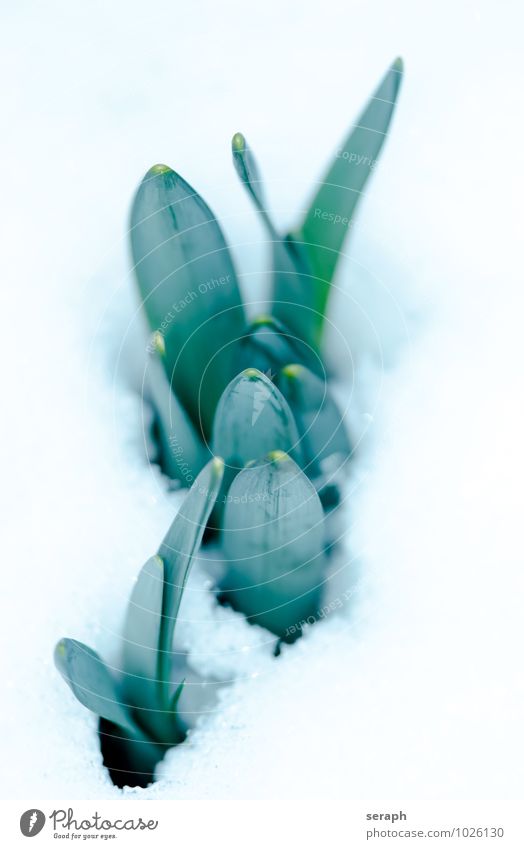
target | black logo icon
x=32, y=822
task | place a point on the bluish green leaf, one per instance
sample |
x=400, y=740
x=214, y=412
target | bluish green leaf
x=141, y=640
x=247, y=169
x=268, y=346
x=182, y=452
x=253, y=418
x=176, y=696
x=188, y=287
x=293, y=281
x=273, y=543
x=154, y=606
x=177, y=550
x=92, y=683
x=330, y=215
x=320, y=423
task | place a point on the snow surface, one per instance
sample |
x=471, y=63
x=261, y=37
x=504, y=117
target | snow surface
x=414, y=688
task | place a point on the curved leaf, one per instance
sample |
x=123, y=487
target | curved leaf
x=273, y=541
x=253, y=418
x=141, y=640
x=188, y=287
x=153, y=610
x=247, y=169
x=177, y=550
x=329, y=218
x=182, y=452
x=319, y=421
x=92, y=683
x=293, y=280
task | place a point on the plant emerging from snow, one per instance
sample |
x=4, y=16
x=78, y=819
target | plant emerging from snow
x=208, y=373
x=138, y=707
x=252, y=391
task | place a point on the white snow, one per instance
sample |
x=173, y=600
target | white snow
x=414, y=689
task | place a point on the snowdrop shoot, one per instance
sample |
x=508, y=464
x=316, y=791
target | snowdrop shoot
x=245, y=416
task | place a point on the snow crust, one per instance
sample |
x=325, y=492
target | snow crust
x=412, y=687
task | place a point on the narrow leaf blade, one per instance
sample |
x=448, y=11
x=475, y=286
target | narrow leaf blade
x=176, y=695
x=329, y=217
x=154, y=605
x=141, y=636
x=247, y=169
x=293, y=284
x=177, y=551
x=182, y=452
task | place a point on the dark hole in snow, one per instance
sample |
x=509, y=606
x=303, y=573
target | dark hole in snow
x=128, y=762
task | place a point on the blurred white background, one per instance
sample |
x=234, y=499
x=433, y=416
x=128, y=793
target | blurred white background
x=425, y=699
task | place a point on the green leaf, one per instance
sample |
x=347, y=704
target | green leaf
x=330, y=215
x=92, y=683
x=293, y=282
x=273, y=542
x=153, y=610
x=177, y=550
x=319, y=421
x=141, y=640
x=176, y=695
x=188, y=287
x=182, y=452
x=253, y=418
x=247, y=169
x=268, y=346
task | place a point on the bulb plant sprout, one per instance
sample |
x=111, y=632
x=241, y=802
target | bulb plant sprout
x=252, y=390
x=138, y=709
x=241, y=387
x=274, y=545
x=191, y=297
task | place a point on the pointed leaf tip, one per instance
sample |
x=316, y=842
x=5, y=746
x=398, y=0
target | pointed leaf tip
x=343, y=186
x=158, y=169
x=252, y=373
x=252, y=418
x=292, y=370
x=278, y=456
x=263, y=318
x=238, y=143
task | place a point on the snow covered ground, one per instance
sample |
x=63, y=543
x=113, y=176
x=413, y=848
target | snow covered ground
x=415, y=688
